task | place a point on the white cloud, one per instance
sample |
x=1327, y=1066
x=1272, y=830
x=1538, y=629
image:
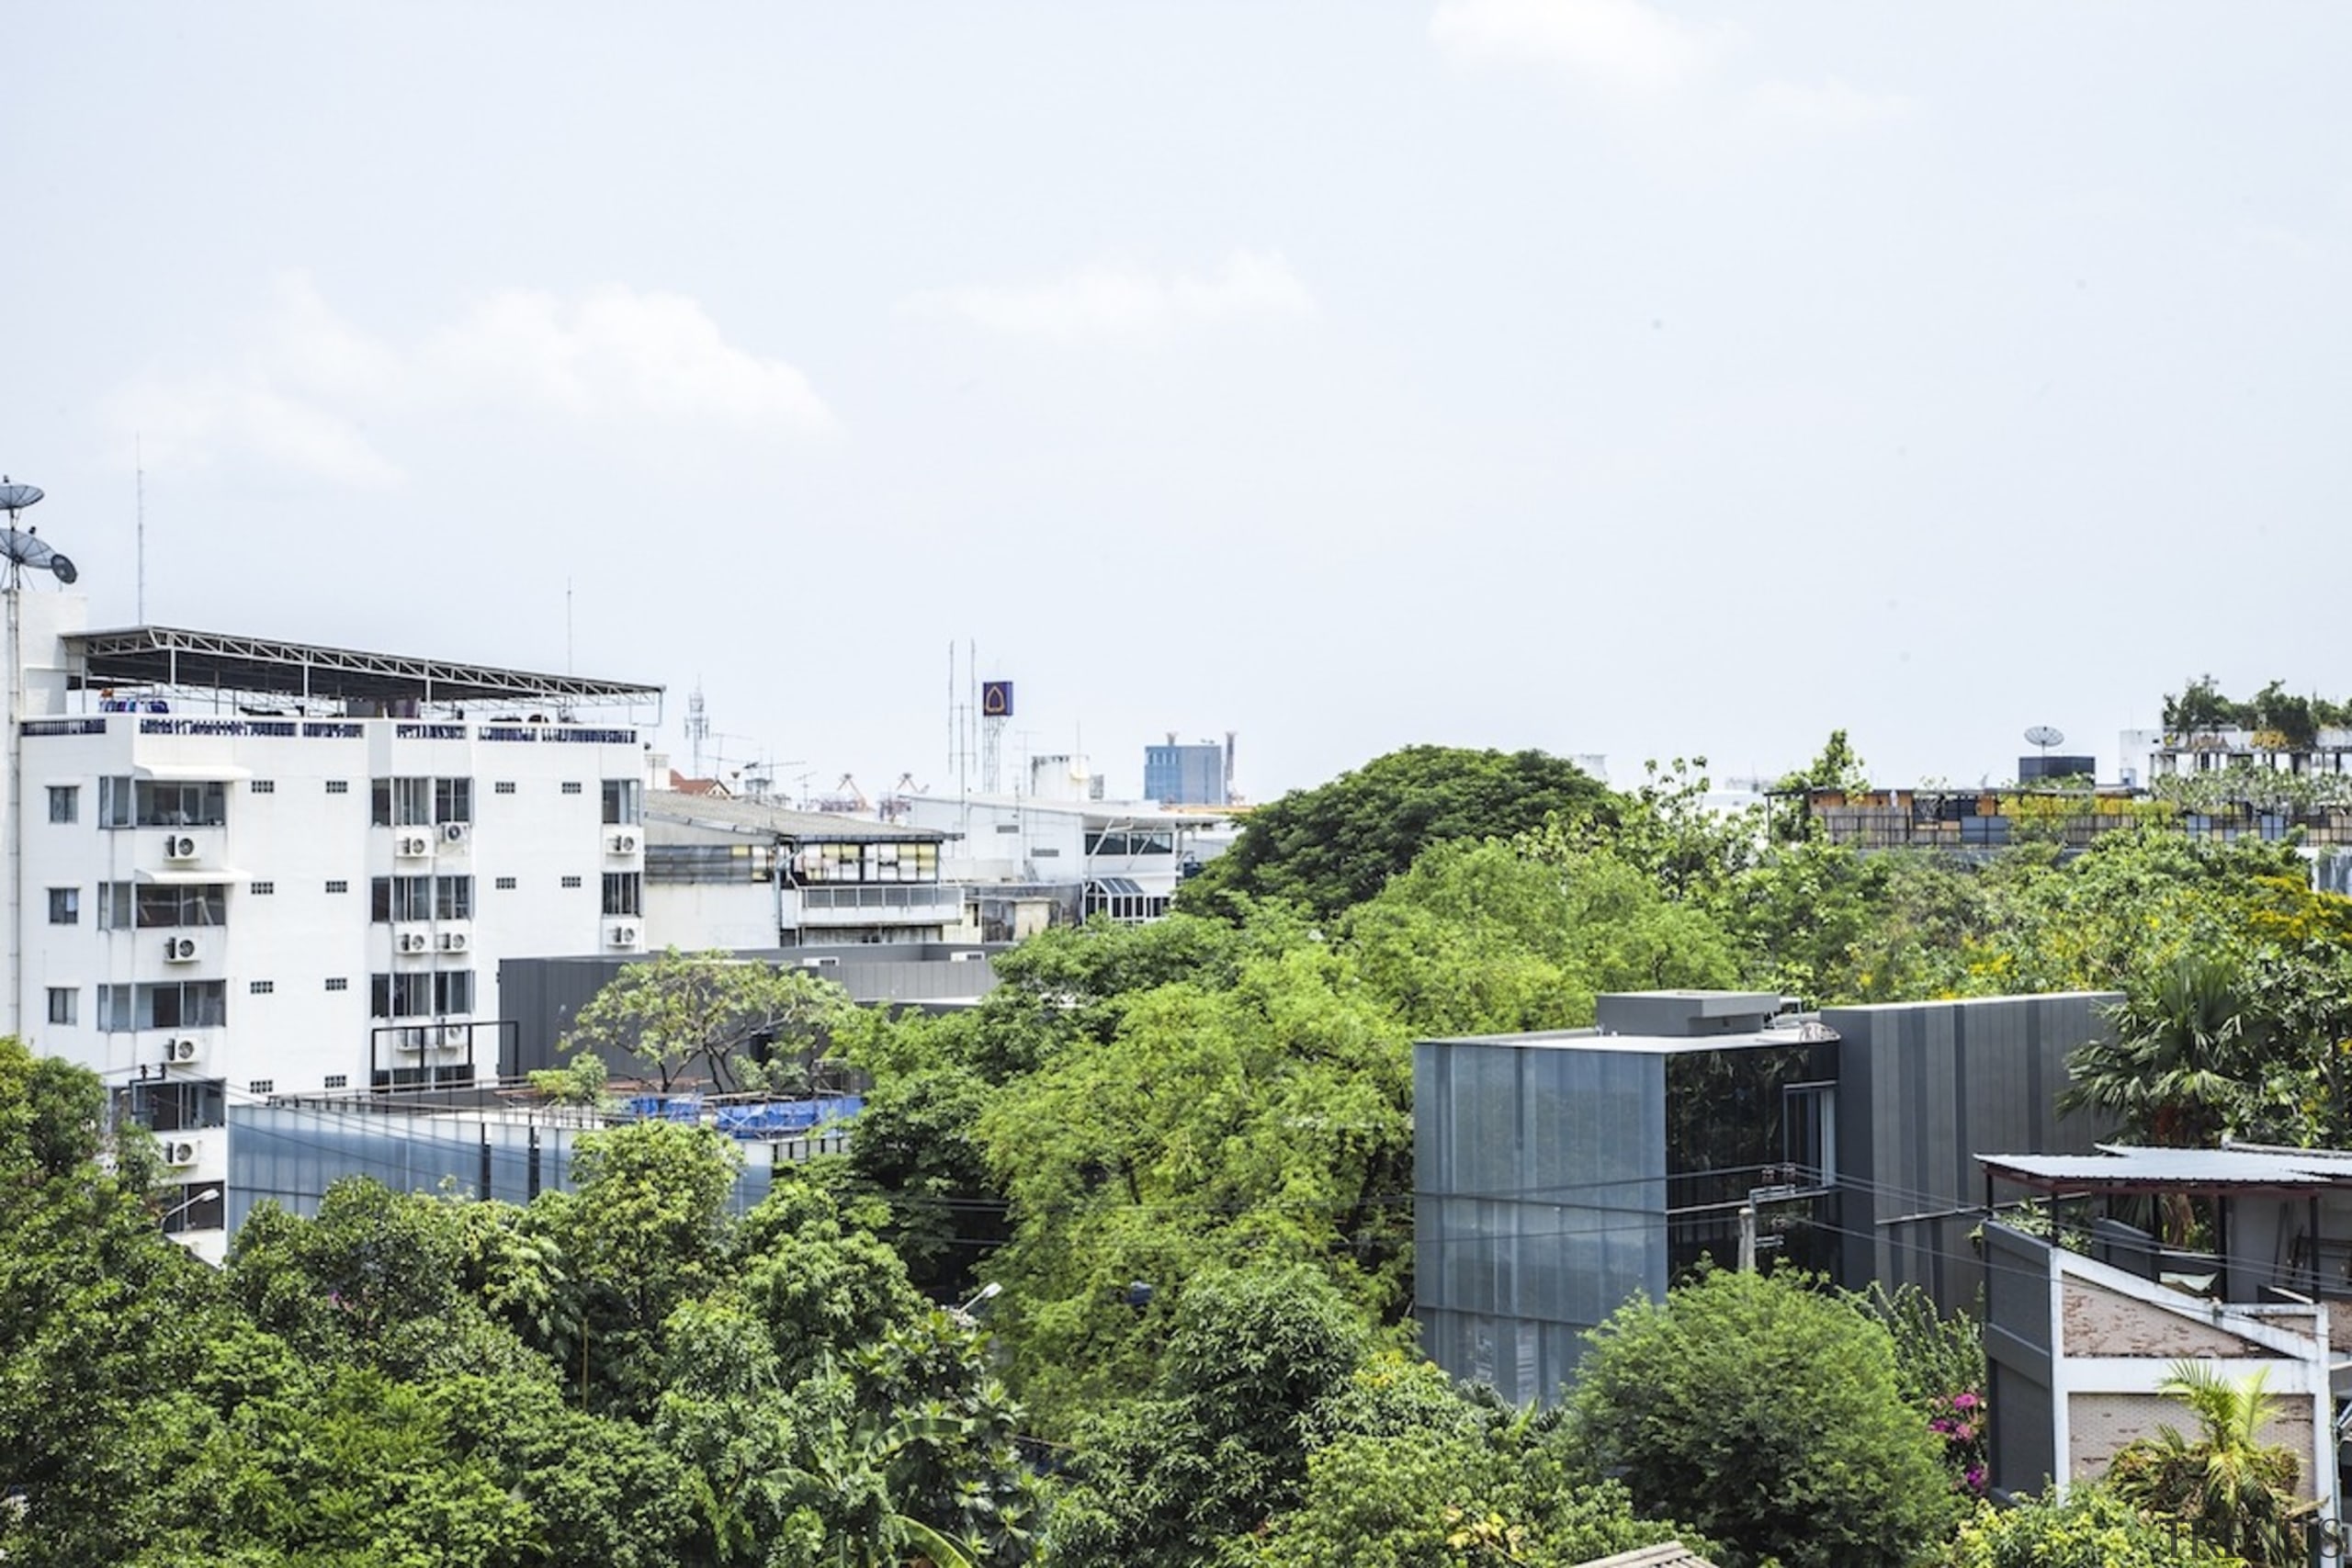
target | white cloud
x=314, y=384
x=1627, y=53
x=1621, y=46
x=1122, y=302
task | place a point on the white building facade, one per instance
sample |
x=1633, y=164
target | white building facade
x=241, y=868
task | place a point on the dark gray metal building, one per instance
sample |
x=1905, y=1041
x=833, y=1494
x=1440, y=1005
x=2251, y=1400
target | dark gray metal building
x=538, y=997
x=1558, y=1174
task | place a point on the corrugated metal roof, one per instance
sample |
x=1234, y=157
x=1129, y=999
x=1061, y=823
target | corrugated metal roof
x=177, y=656
x=734, y=815
x=1669, y=1554
x=2125, y=1167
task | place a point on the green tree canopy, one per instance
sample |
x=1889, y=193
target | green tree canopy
x=1768, y=1414
x=708, y=1018
x=1334, y=846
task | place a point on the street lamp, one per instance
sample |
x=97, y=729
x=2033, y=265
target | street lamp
x=185, y=1204
x=985, y=1295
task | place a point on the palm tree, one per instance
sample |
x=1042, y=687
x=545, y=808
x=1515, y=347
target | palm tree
x=2228, y=1487
x=2185, y=1059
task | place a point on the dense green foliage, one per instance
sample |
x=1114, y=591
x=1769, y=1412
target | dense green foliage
x=623, y=1375
x=2226, y=1485
x=1181, y=1152
x=1768, y=1415
x=2092, y=1529
x=1330, y=848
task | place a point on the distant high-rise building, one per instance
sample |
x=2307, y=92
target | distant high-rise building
x=1196, y=774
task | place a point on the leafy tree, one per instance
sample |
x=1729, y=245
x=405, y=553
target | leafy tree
x=1332, y=847
x=646, y=1229
x=1416, y=1501
x=709, y=1017
x=918, y=1148
x=2092, y=1528
x=374, y=1280
x=819, y=1276
x=1768, y=1414
x=1218, y=1444
x=1489, y=937
x=1265, y=1123
x=2185, y=1049
x=2226, y=1485
x=2201, y=709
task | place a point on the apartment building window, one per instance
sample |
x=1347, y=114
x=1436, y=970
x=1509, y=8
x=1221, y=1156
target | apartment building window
x=420, y=802
x=504, y=787
x=178, y=1004
x=453, y=897
x=179, y=1106
x=571, y=882
x=154, y=905
x=65, y=906
x=621, y=802
x=624, y=893
x=337, y=885
x=420, y=995
x=338, y=786
x=64, y=1004
x=504, y=885
x=262, y=987
x=399, y=898
x=161, y=802
x=262, y=786
x=400, y=803
x=338, y=982
x=65, y=802
x=572, y=786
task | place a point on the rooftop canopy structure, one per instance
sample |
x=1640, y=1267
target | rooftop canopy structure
x=178, y=659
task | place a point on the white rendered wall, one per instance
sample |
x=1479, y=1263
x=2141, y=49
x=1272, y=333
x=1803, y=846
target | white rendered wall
x=294, y=840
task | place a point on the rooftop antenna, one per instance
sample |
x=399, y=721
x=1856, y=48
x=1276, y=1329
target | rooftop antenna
x=21, y=547
x=698, y=724
x=139, y=466
x=2044, y=737
x=567, y=626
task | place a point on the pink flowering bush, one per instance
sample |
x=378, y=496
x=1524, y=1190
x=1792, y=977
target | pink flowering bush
x=1959, y=1420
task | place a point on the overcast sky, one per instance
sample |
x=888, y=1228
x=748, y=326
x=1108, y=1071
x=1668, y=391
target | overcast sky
x=1574, y=374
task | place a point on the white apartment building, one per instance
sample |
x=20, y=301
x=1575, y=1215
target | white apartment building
x=238, y=867
x=1120, y=860
x=724, y=872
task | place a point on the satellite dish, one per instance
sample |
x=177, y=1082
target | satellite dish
x=21, y=547
x=67, y=572
x=2045, y=736
x=15, y=498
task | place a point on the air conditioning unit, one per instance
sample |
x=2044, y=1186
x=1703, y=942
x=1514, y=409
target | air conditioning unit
x=452, y=1036
x=179, y=846
x=455, y=942
x=410, y=1038
x=179, y=949
x=623, y=842
x=456, y=833
x=626, y=934
x=182, y=1050
x=177, y=1151
x=412, y=942
x=411, y=842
